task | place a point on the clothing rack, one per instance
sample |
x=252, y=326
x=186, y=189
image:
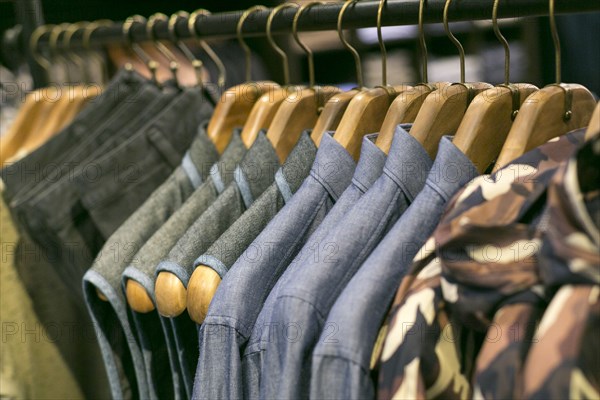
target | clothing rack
x=362, y=14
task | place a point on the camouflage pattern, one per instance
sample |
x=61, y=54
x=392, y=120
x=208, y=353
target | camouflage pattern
x=564, y=359
x=465, y=315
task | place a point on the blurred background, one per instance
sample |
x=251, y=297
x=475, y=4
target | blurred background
x=531, y=45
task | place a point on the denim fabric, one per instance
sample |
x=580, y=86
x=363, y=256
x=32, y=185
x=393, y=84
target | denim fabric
x=40, y=166
x=369, y=168
x=119, y=345
x=144, y=263
x=235, y=241
x=257, y=171
x=312, y=287
x=341, y=361
x=254, y=174
x=239, y=298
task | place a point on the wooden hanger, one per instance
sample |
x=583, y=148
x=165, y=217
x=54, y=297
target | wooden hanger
x=29, y=116
x=594, y=127
x=444, y=108
x=405, y=107
x=236, y=104
x=366, y=111
x=332, y=114
x=250, y=132
x=72, y=98
x=253, y=105
x=35, y=109
x=334, y=108
x=548, y=113
x=299, y=110
x=490, y=115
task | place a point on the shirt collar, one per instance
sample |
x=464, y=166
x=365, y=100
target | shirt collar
x=451, y=169
x=297, y=165
x=333, y=166
x=203, y=152
x=407, y=163
x=258, y=166
x=370, y=164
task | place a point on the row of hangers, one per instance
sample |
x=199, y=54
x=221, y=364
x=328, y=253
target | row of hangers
x=492, y=125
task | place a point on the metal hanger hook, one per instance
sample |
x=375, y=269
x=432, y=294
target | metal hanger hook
x=33, y=46
x=558, y=68
x=422, y=43
x=309, y=53
x=502, y=40
x=55, y=33
x=146, y=59
x=348, y=46
x=284, y=57
x=243, y=43
x=173, y=64
x=516, y=95
x=66, y=45
x=196, y=63
x=382, y=48
x=222, y=78
x=455, y=41
x=85, y=40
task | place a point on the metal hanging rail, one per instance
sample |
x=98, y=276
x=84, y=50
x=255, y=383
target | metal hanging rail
x=323, y=17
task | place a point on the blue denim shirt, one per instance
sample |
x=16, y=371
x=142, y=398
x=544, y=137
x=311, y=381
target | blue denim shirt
x=242, y=292
x=369, y=168
x=313, y=286
x=341, y=362
x=261, y=156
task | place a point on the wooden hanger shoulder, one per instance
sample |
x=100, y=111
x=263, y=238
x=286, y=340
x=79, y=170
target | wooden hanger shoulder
x=541, y=118
x=486, y=123
x=404, y=109
x=20, y=128
x=137, y=297
x=441, y=114
x=262, y=114
x=298, y=112
x=171, y=294
x=364, y=115
x=233, y=110
x=202, y=287
x=332, y=114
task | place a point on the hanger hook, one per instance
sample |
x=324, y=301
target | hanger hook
x=461, y=50
x=173, y=64
x=382, y=49
x=284, y=57
x=85, y=40
x=213, y=56
x=422, y=42
x=33, y=46
x=568, y=112
x=55, y=33
x=556, y=40
x=309, y=53
x=196, y=63
x=348, y=46
x=502, y=40
x=66, y=45
x=146, y=59
x=240, y=38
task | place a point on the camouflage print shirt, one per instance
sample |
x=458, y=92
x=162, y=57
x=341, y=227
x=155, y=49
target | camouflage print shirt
x=564, y=359
x=464, y=316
